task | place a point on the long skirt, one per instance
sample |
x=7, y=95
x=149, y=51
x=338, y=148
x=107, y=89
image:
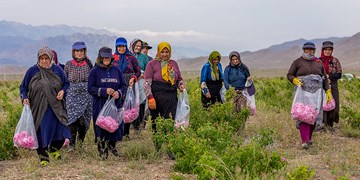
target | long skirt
x=333, y=116
x=51, y=129
x=165, y=96
x=214, y=89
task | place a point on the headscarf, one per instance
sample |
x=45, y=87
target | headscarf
x=326, y=60
x=237, y=54
x=46, y=51
x=55, y=57
x=132, y=46
x=242, y=66
x=167, y=71
x=122, y=57
x=214, y=68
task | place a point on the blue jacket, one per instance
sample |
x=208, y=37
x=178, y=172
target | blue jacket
x=206, y=73
x=236, y=76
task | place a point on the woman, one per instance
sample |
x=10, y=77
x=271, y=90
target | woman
x=333, y=70
x=43, y=87
x=136, y=46
x=211, y=80
x=129, y=66
x=78, y=100
x=303, y=66
x=162, y=79
x=145, y=50
x=56, y=61
x=104, y=81
x=236, y=74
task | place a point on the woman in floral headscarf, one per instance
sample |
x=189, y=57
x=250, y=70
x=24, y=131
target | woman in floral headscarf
x=135, y=48
x=44, y=87
x=162, y=79
x=211, y=80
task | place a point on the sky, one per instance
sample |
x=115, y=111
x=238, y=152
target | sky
x=223, y=25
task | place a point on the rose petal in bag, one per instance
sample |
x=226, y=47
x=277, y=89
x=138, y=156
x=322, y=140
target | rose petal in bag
x=25, y=133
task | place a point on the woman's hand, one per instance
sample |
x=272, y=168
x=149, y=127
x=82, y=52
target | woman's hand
x=131, y=81
x=115, y=95
x=141, y=76
x=249, y=78
x=182, y=88
x=60, y=95
x=26, y=102
x=208, y=95
x=109, y=91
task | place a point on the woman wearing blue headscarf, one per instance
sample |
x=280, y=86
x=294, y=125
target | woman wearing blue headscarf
x=128, y=64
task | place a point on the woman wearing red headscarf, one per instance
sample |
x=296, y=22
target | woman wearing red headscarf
x=333, y=70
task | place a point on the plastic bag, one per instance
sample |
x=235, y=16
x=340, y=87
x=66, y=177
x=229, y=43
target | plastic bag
x=250, y=101
x=25, y=133
x=223, y=94
x=108, y=116
x=182, y=111
x=132, y=103
x=328, y=106
x=142, y=95
x=306, y=106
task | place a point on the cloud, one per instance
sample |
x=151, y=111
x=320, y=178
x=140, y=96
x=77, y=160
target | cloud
x=188, y=34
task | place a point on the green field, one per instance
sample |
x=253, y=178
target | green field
x=218, y=145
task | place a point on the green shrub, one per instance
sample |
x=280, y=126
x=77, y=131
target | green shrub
x=302, y=172
x=7, y=126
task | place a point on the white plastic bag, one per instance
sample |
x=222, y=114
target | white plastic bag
x=142, y=95
x=306, y=106
x=132, y=104
x=108, y=117
x=250, y=101
x=25, y=133
x=223, y=94
x=182, y=116
x=328, y=106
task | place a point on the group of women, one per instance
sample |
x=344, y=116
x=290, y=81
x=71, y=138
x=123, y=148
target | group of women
x=64, y=98
x=325, y=73
x=212, y=79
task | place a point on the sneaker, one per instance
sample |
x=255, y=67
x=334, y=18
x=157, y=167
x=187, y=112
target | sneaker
x=71, y=149
x=305, y=146
x=103, y=153
x=56, y=155
x=44, y=163
x=115, y=152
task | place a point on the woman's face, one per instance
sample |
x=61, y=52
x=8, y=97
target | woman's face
x=309, y=51
x=121, y=49
x=137, y=47
x=328, y=51
x=80, y=54
x=145, y=50
x=106, y=61
x=44, y=61
x=216, y=61
x=165, y=54
x=235, y=60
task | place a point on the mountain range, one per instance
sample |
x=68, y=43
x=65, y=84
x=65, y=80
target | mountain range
x=20, y=43
x=280, y=56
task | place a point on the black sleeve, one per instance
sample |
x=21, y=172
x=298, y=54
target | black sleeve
x=335, y=76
